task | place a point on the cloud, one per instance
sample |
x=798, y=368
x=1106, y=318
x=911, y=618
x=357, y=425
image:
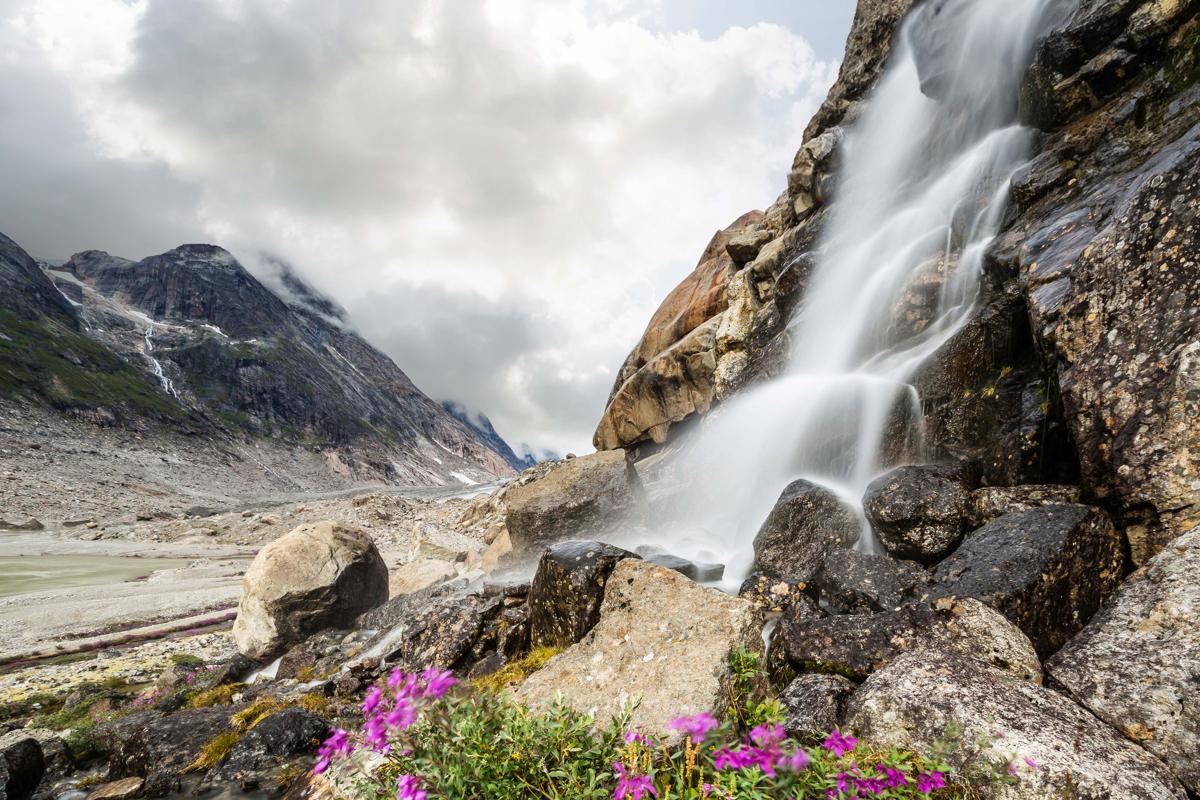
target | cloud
x=499, y=191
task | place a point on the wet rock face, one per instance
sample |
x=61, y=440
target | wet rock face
x=856, y=646
x=21, y=769
x=917, y=512
x=567, y=590
x=1137, y=664
x=576, y=497
x=813, y=704
x=863, y=583
x=157, y=747
x=318, y=576
x=909, y=703
x=995, y=501
x=1047, y=569
x=807, y=523
x=253, y=761
x=662, y=639
x=773, y=595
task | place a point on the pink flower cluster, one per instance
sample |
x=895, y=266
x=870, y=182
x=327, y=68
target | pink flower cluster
x=386, y=713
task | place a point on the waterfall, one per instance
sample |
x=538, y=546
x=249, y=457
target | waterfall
x=167, y=384
x=919, y=197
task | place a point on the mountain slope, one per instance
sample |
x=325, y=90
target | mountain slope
x=190, y=341
x=482, y=426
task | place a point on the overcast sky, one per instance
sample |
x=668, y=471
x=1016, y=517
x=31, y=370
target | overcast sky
x=499, y=191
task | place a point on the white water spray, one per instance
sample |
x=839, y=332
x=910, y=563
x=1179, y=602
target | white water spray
x=921, y=193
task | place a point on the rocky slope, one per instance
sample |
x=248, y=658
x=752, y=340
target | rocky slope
x=189, y=342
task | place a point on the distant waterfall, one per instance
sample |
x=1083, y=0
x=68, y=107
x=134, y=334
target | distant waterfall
x=920, y=195
x=167, y=384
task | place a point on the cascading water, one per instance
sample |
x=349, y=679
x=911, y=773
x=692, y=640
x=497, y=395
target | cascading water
x=167, y=384
x=924, y=178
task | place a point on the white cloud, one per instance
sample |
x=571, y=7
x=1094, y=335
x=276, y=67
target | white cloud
x=499, y=191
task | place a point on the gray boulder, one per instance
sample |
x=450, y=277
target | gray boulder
x=910, y=703
x=1047, y=569
x=255, y=759
x=21, y=768
x=567, y=590
x=807, y=523
x=917, y=512
x=995, y=501
x=851, y=582
x=1137, y=664
x=813, y=704
x=318, y=576
x=570, y=499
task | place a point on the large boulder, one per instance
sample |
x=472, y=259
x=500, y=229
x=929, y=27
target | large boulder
x=917, y=512
x=910, y=704
x=21, y=768
x=851, y=582
x=571, y=499
x=813, y=704
x=567, y=590
x=158, y=747
x=1137, y=664
x=257, y=757
x=662, y=640
x=857, y=645
x=318, y=576
x=807, y=523
x=1047, y=569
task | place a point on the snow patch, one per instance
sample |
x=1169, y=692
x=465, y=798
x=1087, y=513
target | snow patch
x=465, y=479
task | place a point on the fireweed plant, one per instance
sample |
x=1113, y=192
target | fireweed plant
x=422, y=739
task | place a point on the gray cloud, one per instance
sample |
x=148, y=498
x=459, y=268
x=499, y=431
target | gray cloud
x=499, y=191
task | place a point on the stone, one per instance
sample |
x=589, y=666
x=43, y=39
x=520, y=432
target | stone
x=1137, y=663
x=917, y=512
x=573, y=498
x=439, y=631
x=21, y=768
x=995, y=501
x=29, y=524
x=317, y=576
x=807, y=523
x=56, y=757
x=776, y=596
x=124, y=789
x=496, y=550
x=851, y=582
x=157, y=746
x=813, y=704
x=700, y=571
x=283, y=735
x=1047, y=569
x=909, y=704
x=743, y=248
x=567, y=590
x=662, y=640
x=421, y=574
x=857, y=645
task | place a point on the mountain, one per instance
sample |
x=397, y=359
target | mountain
x=189, y=341
x=482, y=426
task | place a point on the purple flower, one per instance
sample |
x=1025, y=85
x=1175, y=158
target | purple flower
x=372, y=701
x=402, y=716
x=927, y=782
x=1032, y=764
x=634, y=736
x=839, y=744
x=401, y=682
x=895, y=778
x=338, y=744
x=696, y=727
x=408, y=787
x=765, y=735
x=632, y=786
x=437, y=682
x=797, y=760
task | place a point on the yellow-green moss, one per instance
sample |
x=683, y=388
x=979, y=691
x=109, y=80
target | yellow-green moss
x=516, y=671
x=214, y=751
x=216, y=696
x=256, y=712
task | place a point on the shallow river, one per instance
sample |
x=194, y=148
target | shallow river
x=28, y=573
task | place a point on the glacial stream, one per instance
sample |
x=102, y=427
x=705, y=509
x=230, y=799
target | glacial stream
x=920, y=195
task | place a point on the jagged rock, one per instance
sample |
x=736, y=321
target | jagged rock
x=812, y=704
x=1137, y=664
x=995, y=501
x=743, y=248
x=439, y=631
x=567, y=590
x=21, y=768
x=124, y=789
x=775, y=595
x=573, y=498
x=857, y=645
x=417, y=575
x=917, y=512
x=157, y=746
x=318, y=576
x=661, y=639
x=30, y=524
x=256, y=757
x=56, y=757
x=807, y=523
x=1047, y=569
x=700, y=571
x=909, y=704
x=851, y=582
